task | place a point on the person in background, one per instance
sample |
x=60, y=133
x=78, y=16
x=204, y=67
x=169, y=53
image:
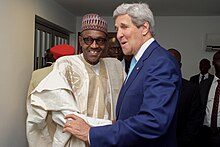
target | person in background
x=190, y=116
x=115, y=51
x=209, y=91
x=147, y=103
x=49, y=59
x=51, y=56
x=204, y=66
x=85, y=85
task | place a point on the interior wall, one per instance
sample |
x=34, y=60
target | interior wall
x=16, y=43
x=185, y=33
x=51, y=11
x=17, y=52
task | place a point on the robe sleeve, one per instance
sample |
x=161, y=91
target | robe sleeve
x=53, y=95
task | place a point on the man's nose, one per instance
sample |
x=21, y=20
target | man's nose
x=94, y=44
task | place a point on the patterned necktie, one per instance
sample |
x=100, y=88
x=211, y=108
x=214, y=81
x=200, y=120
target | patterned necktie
x=132, y=65
x=215, y=107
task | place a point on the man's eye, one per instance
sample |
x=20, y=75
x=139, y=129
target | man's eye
x=100, y=40
x=88, y=39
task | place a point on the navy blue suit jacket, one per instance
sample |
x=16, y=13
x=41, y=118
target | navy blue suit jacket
x=146, y=107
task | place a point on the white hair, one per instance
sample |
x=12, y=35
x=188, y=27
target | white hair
x=139, y=13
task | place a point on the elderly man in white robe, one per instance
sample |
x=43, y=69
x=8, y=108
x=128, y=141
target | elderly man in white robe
x=85, y=85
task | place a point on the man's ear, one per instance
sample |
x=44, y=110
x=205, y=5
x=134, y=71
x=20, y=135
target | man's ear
x=146, y=28
x=80, y=40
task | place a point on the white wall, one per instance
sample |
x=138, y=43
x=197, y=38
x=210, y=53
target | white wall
x=186, y=34
x=51, y=11
x=16, y=61
x=16, y=45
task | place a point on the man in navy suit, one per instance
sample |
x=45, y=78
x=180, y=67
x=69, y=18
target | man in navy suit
x=146, y=107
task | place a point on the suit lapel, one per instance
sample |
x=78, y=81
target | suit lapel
x=198, y=78
x=204, y=90
x=133, y=75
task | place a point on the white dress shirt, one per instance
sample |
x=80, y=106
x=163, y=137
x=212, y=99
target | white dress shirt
x=210, y=101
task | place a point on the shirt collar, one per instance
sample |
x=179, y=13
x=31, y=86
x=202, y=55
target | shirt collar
x=206, y=75
x=143, y=48
x=215, y=79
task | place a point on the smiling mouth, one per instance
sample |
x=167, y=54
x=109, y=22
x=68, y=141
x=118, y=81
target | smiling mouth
x=123, y=43
x=95, y=52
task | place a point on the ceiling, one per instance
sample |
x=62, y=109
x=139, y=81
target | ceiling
x=159, y=7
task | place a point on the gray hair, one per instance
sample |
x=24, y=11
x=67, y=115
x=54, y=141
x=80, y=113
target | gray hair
x=139, y=13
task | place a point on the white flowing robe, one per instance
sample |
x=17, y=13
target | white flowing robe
x=65, y=91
